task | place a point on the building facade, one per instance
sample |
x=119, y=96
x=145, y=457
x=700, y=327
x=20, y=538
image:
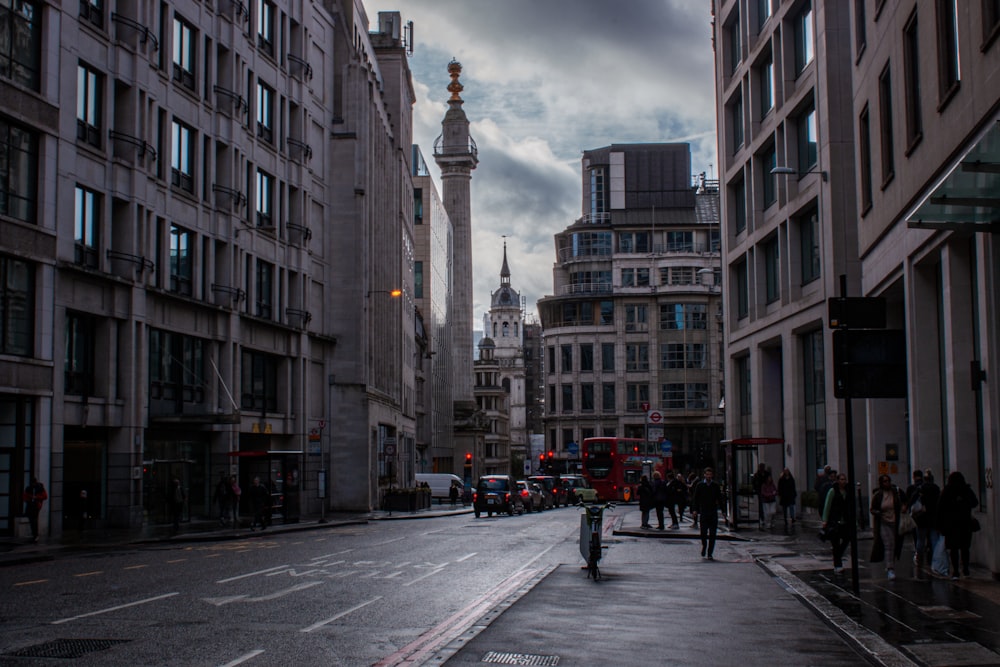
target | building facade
x=492, y=456
x=634, y=322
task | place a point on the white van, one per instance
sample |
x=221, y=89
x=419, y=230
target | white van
x=440, y=483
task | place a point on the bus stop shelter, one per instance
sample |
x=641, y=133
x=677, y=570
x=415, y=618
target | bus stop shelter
x=742, y=455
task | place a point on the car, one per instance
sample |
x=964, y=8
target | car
x=552, y=488
x=579, y=489
x=531, y=496
x=494, y=493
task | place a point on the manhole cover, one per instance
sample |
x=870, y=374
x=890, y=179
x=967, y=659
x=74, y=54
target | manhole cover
x=66, y=648
x=499, y=658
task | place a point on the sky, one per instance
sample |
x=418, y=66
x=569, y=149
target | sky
x=544, y=81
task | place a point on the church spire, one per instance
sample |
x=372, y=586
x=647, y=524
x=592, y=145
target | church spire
x=505, y=270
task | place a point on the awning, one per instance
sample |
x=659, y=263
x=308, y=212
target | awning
x=967, y=196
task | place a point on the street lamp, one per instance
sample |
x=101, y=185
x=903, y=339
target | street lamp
x=788, y=171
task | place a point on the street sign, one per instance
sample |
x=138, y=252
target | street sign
x=654, y=416
x=389, y=448
x=654, y=433
x=667, y=447
x=856, y=312
x=869, y=364
x=644, y=406
x=573, y=448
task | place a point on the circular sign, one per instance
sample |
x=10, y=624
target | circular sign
x=389, y=449
x=572, y=448
x=654, y=416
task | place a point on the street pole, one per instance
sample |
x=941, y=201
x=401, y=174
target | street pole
x=852, y=509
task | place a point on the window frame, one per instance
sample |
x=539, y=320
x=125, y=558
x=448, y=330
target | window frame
x=264, y=200
x=182, y=155
x=78, y=360
x=185, y=52
x=911, y=82
x=805, y=46
x=17, y=306
x=265, y=26
x=86, y=227
x=264, y=289
x=809, y=237
x=20, y=144
x=771, y=247
x=260, y=384
x=265, y=111
x=89, y=104
x=886, y=139
x=181, y=247
x=949, y=65
x=23, y=66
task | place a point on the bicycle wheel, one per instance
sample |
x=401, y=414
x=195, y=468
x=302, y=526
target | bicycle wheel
x=595, y=556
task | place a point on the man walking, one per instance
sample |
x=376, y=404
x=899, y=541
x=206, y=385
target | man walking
x=705, y=505
x=34, y=495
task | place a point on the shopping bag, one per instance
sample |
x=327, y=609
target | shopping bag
x=939, y=562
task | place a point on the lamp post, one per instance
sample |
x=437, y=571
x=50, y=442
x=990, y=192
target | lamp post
x=788, y=171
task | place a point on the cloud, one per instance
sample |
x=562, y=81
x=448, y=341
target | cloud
x=545, y=80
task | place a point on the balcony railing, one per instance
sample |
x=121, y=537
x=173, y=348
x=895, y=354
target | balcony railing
x=299, y=150
x=131, y=27
x=225, y=293
x=140, y=263
x=297, y=317
x=300, y=68
x=441, y=149
x=239, y=104
x=123, y=140
x=304, y=232
x=587, y=288
x=236, y=9
x=223, y=193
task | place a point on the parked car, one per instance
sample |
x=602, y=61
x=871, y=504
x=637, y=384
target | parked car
x=552, y=488
x=578, y=488
x=494, y=493
x=531, y=495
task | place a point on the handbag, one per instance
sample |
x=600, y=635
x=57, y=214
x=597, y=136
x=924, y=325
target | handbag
x=917, y=508
x=906, y=525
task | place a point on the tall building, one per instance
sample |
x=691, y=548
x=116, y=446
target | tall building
x=492, y=455
x=786, y=165
x=191, y=285
x=506, y=328
x=634, y=322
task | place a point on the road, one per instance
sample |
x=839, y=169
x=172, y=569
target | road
x=355, y=595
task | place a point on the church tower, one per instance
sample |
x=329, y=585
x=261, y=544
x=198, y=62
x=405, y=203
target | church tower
x=505, y=326
x=456, y=154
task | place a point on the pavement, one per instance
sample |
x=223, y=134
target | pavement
x=654, y=582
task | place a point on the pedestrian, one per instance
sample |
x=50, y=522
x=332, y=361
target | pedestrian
x=923, y=509
x=912, y=498
x=705, y=505
x=955, y=520
x=787, y=494
x=677, y=492
x=691, y=481
x=83, y=509
x=646, y=501
x=234, y=500
x=886, y=507
x=175, y=498
x=769, y=499
x=223, y=497
x=836, y=526
x=828, y=481
x=453, y=494
x=260, y=500
x=756, y=481
x=34, y=495
x=659, y=497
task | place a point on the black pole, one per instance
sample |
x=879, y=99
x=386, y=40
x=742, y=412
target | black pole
x=852, y=510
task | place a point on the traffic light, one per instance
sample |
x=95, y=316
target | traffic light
x=468, y=460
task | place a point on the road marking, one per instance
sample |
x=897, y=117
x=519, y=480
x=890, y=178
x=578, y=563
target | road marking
x=251, y=574
x=218, y=602
x=212, y=555
x=136, y=567
x=320, y=624
x=284, y=592
x=89, y=574
x=177, y=560
x=31, y=583
x=398, y=539
x=110, y=609
x=243, y=658
x=465, y=557
x=423, y=576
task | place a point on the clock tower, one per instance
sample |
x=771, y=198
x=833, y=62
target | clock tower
x=505, y=326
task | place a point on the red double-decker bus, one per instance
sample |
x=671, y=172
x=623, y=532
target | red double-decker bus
x=612, y=464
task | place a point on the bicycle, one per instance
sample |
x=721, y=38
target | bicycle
x=591, y=524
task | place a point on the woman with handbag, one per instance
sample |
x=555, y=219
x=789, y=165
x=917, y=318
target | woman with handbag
x=835, y=526
x=955, y=520
x=886, y=507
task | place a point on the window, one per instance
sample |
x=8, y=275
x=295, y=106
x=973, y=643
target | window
x=947, y=49
x=418, y=206
x=184, y=53
x=742, y=290
x=991, y=21
x=21, y=42
x=803, y=38
x=634, y=242
x=260, y=382
x=885, y=123
x=607, y=357
x=736, y=121
x=181, y=260
x=768, y=161
x=911, y=74
x=744, y=394
x=607, y=312
x=681, y=396
x=808, y=140
x=636, y=395
x=265, y=112
x=772, y=269
x=865, y=158
x=566, y=358
x=637, y=357
x=265, y=27
x=87, y=217
x=860, y=27
x=808, y=226
x=682, y=275
x=734, y=41
x=552, y=399
x=590, y=244
x=635, y=277
x=78, y=371
x=90, y=10
x=608, y=397
x=635, y=317
x=763, y=12
x=88, y=105
x=552, y=359
x=182, y=158
x=680, y=241
x=814, y=399
x=680, y=316
x=587, y=357
x=264, y=289
x=567, y=398
x=739, y=194
x=18, y=171
x=598, y=193
x=17, y=306
x=265, y=199
x=418, y=280
x=765, y=83
x=586, y=397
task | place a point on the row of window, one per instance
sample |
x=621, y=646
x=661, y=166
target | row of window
x=673, y=396
x=673, y=316
x=601, y=244
x=672, y=356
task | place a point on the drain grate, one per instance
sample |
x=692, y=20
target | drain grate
x=66, y=648
x=502, y=658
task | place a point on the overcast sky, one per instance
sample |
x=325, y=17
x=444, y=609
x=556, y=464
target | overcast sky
x=545, y=80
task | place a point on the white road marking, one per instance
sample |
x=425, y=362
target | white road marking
x=110, y=609
x=284, y=592
x=251, y=574
x=465, y=557
x=218, y=602
x=320, y=624
x=243, y=658
x=423, y=576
